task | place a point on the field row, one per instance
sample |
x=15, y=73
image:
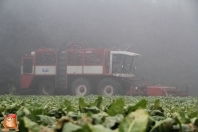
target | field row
x=97, y=113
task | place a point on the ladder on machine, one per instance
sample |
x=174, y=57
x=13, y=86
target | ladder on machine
x=61, y=69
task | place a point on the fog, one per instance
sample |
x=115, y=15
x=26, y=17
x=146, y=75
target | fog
x=164, y=32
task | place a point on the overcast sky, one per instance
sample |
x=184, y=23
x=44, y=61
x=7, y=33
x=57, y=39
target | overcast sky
x=164, y=32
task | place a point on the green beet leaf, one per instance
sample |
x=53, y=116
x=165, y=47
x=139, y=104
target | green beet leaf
x=70, y=127
x=156, y=113
x=166, y=125
x=182, y=117
x=195, y=121
x=67, y=104
x=93, y=128
x=82, y=104
x=30, y=125
x=100, y=128
x=135, y=122
x=112, y=121
x=97, y=102
x=117, y=107
x=92, y=109
x=85, y=128
x=46, y=120
x=157, y=105
x=141, y=104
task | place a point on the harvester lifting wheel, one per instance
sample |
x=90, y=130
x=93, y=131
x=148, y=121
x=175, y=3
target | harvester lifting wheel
x=81, y=87
x=46, y=87
x=108, y=87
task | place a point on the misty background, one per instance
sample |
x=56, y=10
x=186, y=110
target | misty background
x=164, y=32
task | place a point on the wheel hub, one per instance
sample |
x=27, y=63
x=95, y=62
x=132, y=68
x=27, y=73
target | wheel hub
x=108, y=90
x=46, y=89
x=81, y=90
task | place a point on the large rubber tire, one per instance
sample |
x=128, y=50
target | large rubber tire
x=81, y=87
x=46, y=87
x=108, y=87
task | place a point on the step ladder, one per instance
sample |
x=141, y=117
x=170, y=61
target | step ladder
x=61, y=70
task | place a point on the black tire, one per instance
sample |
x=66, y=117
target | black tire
x=81, y=87
x=108, y=87
x=46, y=87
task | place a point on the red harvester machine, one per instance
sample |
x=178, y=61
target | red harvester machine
x=81, y=71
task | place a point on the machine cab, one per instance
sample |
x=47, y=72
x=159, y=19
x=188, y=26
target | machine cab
x=121, y=63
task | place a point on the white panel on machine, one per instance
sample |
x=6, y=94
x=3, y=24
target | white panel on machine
x=49, y=70
x=74, y=69
x=93, y=69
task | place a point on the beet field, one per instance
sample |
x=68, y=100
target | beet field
x=99, y=114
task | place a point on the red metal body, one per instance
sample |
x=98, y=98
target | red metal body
x=26, y=81
x=157, y=90
x=75, y=68
x=87, y=57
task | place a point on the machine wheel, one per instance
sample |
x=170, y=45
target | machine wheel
x=46, y=88
x=81, y=87
x=108, y=87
